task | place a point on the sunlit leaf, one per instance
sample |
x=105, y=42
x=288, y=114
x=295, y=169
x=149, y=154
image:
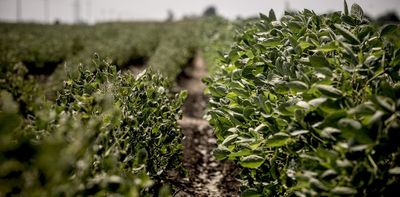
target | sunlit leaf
x=221, y=152
x=251, y=161
x=329, y=91
x=347, y=34
x=277, y=140
x=356, y=11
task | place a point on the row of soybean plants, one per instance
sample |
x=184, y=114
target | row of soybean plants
x=107, y=133
x=309, y=105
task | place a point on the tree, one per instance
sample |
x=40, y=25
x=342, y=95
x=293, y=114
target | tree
x=170, y=16
x=388, y=17
x=210, y=11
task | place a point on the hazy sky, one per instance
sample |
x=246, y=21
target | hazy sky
x=105, y=10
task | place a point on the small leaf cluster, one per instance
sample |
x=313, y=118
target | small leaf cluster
x=308, y=105
x=108, y=133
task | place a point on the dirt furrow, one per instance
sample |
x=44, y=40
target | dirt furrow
x=207, y=176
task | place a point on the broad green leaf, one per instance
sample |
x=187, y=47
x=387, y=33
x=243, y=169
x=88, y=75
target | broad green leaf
x=221, y=152
x=295, y=26
x=318, y=184
x=277, y=140
x=376, y=118
x=356, y=11
x=348, y=53
x=217, y=91
x=385, y=103
x=303, y=45
x=9, y=122
x=352, y=129
x=252, y=161
x=317, y=101
x=261, y=127
x=358, y=148
x=388, y=29
x=247, y=72
x=329, y=91
x=254, y=146
x=343, y=191
x=264, y=17
x=319, y=61
x=183, y=95
x=327, y=72
x=229, y=140
x=303, y=104
x=334, y=113
x=271, y=42
x=346, y=9
x=395, y=170
x=347, y=34
x=348, y=19
x=272, y=15
x=349, y=124
x=243, y=152
x=250, y=193
x=297, y=85
x=299, y=132
x=328, y=174
x=328, y=47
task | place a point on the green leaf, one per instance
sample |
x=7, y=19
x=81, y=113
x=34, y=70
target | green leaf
x=9, y=122
x=229, y=140
x=356, y=11
x=376, y=118
x=299, y=132
x=243, y=152
x=247, y=72
x=250, y=193
x=221, y=152
x=328, y=47
x=264, y=17
x=272, y=15
x=319, y=61
x=349, y=124
x=343, y=191
x=271, y=42
x=317, y=101
x=318, y=184
x=277, y=140
x=295, y=26
x=388, y=29
x=329, y=132
x=261, y=127
x=217, y=91
x=347, y=34
x=303, y=45
x=348, y=19
x=352, y=129
x=346, y=9
x=395, y=170
x=252, y=161
x=183, y=95
x=297, y=85
x=385, y=103
x=329, y=91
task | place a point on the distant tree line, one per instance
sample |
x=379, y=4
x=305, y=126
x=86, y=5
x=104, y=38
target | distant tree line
x=389, y=17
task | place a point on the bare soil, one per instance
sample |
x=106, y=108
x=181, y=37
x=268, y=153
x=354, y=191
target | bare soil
x=206, y=175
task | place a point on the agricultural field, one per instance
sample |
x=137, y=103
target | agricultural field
x=304, y=105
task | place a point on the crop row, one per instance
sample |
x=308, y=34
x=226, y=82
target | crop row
x=308, y=105
x=107, y=133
